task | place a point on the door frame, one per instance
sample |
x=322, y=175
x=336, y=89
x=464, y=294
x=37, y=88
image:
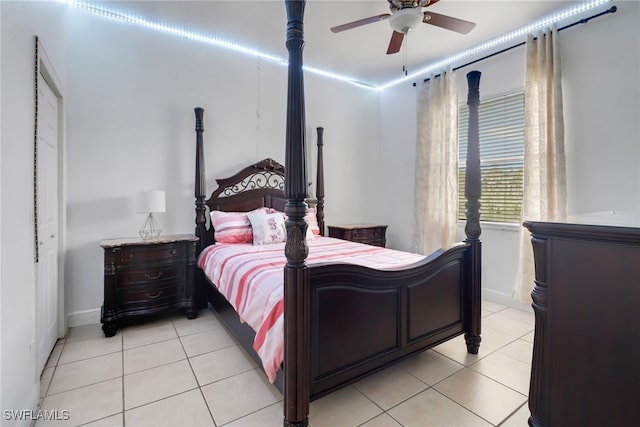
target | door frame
x=44, y=66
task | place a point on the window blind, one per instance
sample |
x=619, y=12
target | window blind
x=501, y=129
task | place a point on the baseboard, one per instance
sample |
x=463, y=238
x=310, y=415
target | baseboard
x=504, y=299
x=85, y=317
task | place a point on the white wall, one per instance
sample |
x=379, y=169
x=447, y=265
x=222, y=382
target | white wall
x=601, y=78
x=601, y=65
x=131, y=127
x=20, y=22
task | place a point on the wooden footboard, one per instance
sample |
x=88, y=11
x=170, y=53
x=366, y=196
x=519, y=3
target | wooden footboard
x=363, y=320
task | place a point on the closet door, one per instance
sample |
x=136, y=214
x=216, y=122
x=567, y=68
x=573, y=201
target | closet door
x=47, y=284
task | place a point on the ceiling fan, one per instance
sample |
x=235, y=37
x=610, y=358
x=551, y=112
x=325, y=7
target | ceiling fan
x=405, y=16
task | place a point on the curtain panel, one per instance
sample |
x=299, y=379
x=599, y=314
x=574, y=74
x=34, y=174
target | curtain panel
x=544, y=190
x=436, y=177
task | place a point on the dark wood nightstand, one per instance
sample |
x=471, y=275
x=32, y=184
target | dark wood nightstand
x=146, y=277
x=371, y=234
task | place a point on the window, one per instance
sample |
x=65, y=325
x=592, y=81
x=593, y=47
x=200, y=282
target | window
x=501, y=128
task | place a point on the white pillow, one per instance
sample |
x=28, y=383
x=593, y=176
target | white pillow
x=267, y=228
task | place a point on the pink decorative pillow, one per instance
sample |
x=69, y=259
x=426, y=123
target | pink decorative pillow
x=313, y=221
x=267, y=228
x=232, y=227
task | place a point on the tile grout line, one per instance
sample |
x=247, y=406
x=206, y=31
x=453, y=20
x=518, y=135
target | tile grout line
x=526, y=402
x=124, y=423
x=464, y=407
x=194, y=372
x=55, y=367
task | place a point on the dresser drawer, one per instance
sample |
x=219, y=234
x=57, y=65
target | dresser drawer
x=156, y=254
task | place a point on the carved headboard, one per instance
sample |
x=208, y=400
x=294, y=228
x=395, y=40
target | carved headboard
x=257, y=185
x=261, y=184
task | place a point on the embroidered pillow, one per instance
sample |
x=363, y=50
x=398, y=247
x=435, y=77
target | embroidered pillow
x=232, y=227
x=267, y=228
x=311, y=220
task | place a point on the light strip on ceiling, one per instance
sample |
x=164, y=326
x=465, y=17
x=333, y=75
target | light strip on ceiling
x=204, y=38
x=498, y=41
x=437, y=66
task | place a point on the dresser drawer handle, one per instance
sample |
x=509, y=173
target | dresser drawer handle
x=172, y=252
x=153, y=296
x=153, y=276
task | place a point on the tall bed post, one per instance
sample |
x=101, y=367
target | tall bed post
x=296, y=273
x=472, y=191
x=200, y=182
x=320, y=181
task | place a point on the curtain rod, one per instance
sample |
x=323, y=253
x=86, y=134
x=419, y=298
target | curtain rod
x=612, y=9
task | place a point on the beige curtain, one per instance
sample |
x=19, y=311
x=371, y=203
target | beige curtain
x=545, y=193
x=436, y=186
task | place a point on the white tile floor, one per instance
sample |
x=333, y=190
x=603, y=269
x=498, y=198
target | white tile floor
x=179, y=372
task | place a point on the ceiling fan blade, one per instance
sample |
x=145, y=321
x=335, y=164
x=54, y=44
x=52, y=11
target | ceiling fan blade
x=360, y=22
x=396, y=42
x=449, y=23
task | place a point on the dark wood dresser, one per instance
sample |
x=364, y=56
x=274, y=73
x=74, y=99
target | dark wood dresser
x=371, y=234
x=146, y=277
x=586, y=353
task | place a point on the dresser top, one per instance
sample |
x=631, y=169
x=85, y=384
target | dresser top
x=131, y=241
x=592, y=232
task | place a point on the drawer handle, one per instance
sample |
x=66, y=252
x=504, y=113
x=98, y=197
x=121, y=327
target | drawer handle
x=173, y=252
x=154, y=276
x=153, y=296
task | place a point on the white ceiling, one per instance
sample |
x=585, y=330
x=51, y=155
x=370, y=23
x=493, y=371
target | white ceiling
x=359, y=53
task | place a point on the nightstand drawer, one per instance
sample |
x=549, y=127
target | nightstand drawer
x=150, y=277
x=361, y=233
x=156, y=254
x=144, y=296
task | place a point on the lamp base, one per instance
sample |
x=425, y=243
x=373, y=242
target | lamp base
x=150, y=230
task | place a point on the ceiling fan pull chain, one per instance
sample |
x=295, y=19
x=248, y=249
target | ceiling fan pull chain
x=404, y=55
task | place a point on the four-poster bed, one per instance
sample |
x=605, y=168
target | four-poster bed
x=341, y=321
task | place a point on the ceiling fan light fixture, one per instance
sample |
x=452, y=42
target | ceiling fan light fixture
x=405, y=20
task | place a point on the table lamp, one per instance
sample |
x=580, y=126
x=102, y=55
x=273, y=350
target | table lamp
x=150, y=202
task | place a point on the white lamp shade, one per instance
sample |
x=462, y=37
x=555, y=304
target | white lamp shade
x=150, y=201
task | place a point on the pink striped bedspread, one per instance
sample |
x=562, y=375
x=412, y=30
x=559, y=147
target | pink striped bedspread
x=251, y=279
